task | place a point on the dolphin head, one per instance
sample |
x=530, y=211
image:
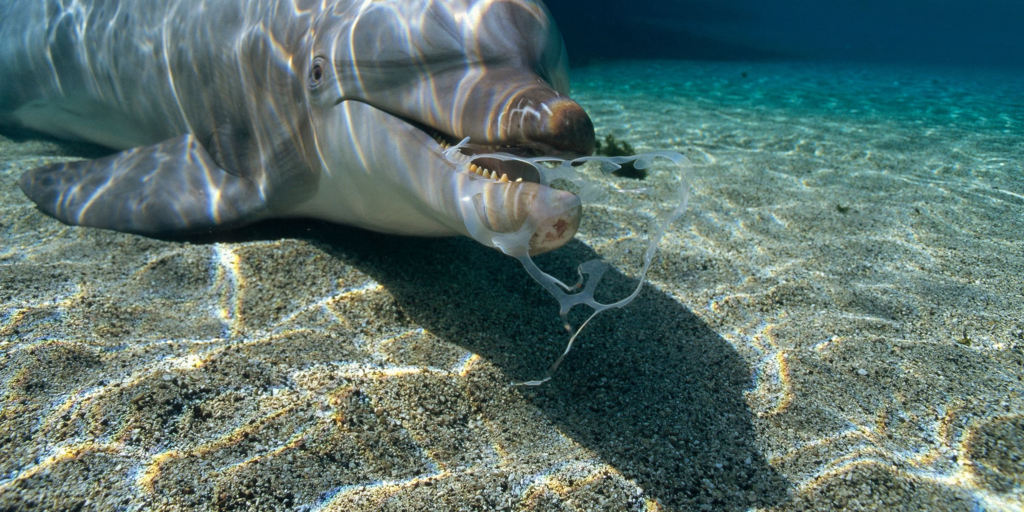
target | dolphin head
x=392, y=84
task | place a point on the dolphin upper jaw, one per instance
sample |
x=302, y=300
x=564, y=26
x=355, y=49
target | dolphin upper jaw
x=497, y=106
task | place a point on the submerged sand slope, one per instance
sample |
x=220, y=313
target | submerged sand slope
x=856, y=236
x=835, y=323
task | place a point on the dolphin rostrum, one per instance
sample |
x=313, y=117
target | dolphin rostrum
x=229, y=112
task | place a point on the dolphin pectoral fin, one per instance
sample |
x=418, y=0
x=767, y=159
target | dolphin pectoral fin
x=168, y=188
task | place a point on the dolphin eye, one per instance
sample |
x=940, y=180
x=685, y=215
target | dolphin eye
x=316, y=72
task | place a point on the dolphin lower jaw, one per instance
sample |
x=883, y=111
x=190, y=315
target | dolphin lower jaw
x=507, y=198
x=548, y=216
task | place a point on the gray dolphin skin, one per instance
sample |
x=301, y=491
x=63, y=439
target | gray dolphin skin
x=227, y=112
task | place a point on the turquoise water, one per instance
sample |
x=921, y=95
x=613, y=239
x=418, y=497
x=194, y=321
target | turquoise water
x=855, y=237
x=836, y=321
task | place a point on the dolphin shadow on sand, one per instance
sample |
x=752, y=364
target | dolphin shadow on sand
x=650, y=388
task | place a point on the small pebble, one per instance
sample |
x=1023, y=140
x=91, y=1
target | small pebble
x=862, y=372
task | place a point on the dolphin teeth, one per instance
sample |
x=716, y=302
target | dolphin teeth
x=487, y=173
x=439, y=139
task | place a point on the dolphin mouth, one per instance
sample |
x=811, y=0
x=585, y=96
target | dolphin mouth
x=502, y=171
x=517, y=193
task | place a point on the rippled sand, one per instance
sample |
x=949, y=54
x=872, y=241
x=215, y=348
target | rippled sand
x=835, y=322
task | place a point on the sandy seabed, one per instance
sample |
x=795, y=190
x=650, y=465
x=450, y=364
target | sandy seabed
x=836, y=322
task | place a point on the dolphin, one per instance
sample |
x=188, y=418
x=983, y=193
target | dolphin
x=230, y=112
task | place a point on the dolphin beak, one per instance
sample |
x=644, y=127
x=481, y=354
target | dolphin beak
x=553, y=215
x=510, y=109
x=541, y=118
x=500, y=109
x=568, y=128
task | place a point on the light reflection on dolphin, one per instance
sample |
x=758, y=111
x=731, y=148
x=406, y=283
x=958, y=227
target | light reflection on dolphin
x=231, y=112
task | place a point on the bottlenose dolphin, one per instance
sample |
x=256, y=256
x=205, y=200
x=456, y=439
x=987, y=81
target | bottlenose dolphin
x=229, y=112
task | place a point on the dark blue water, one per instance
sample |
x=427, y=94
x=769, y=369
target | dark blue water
x=945, y=32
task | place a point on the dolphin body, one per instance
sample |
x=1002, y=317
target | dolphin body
x=229, y=112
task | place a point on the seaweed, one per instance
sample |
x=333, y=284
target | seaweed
x=613, y=147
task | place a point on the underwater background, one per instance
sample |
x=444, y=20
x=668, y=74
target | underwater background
x=915, y=32
x=836, y=322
